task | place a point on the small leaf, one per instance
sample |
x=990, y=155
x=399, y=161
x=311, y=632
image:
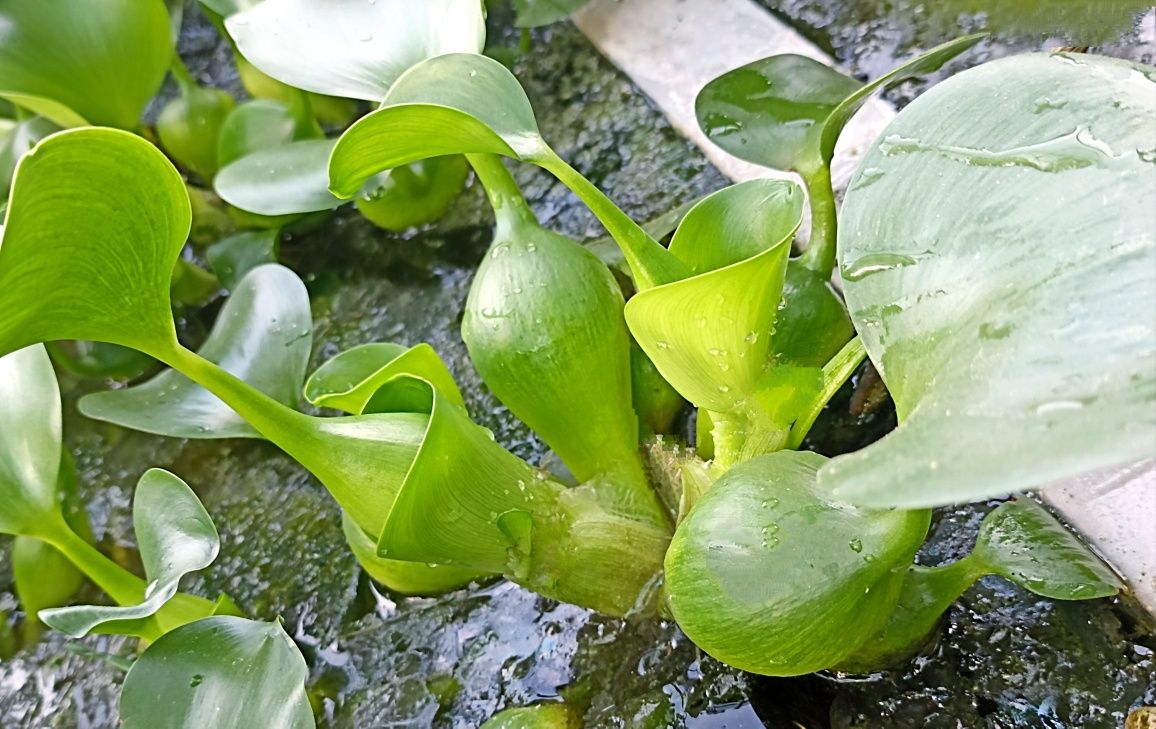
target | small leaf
x=414, y=194
x=94, y=226
x=223, y=672
x=189, y=128
x=176, y=537
x=78, y=60
x=787, y=111
x=232, y=258
x=283, y=180
x=771, y=575
x=1021, y=541
x=710, y=335
x=256, y=125
x=539, y=716
x=263, y=336
x=1008, y=315
x=353, y=48
x=350, y=380
x=407, y=578
x=30, y=453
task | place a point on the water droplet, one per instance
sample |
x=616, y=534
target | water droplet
x=856, y=545
x=365, y=37
x=473, y=72
x=662, y=345
x=1059, y=406
x=724, y=389
x=875, y=263
x=751, y=338
x=988, y=330
x=197, y=679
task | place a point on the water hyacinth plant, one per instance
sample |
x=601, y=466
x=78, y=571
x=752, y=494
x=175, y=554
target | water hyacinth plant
x=1007, y=314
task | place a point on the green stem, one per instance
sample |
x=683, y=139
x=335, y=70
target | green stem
x=510, y=207
x=835, y=373
x=118, y=583
x=820, y=253
x=651, y=264
x=181, y=74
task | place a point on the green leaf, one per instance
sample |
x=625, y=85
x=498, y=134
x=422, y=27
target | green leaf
x=407, y=578
x=813, y=324
x=226, y=8
x=98, y=360
x=1008, y=315
x=328, y=110
x=263, y=335
x=414, y=194
x=86, y=260
x=535, y=13
x=260, y=124
x=787, y=111
x=350, y=380
x=15, y=141
x=175, y=536
x=223, y=672
x=190, y=125
x=772, y=575
x=74, y=61
x=233, y=257
x=291, y=178
x=539, y=716
x=1022, y=542
x=353, y=48
x=710, y=334
x=30, y=453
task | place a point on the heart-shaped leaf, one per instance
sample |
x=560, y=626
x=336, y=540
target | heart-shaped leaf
x=15, y=140
x=787, y=111
x=84, y=61
x=176, y=537
x=82, y=259
x=1008, y=314
x=29, y=442
x=353, y=48
x=772, y=575
x=283, y=180
x=710, y=334
x=263, y=335
x=223, y=672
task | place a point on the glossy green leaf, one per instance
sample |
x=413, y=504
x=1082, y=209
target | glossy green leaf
x=353, y=48
x=414, y=194
x=233, y=257
x=710, y=334
x=539, y=716
x=192, y=285
x=787, y=111
x=220, y=672
x=80, y=260
x=260, y=124
x=1009, y=315
x=772, y=575
x=190, y=125
x=407, y=578
x=98, y=359
x=175, y=536
x=291, y=178
x=350, y=380
x=813, y=324
x=263, y=335
x=29, y=453
x=226, y=8
x=1022, y=542
x=328, y=110
x=15, y=141
x=535, y=13
x=78, y=60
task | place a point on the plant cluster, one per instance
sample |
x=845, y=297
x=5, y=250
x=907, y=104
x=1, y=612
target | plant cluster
x=997, y=266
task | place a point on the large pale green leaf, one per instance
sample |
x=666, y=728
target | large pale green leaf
x=353, y=48
x=29, y=442
x=221, y=672
x=263, y=335
x=710, y=334
x=95, y=223
x=787, y=111
x=15, y=140
x=1009, y=305
x=175, y=536
x=772, y=575
x=282, y=180
x=78, y=60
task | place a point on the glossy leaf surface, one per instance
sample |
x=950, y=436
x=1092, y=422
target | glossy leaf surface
x=772, y=575
x=1008, y=308
x=407, y=578
x=259, y=124
x=787, y=111
x=353, y=48
x=30, y=435
x=290, y=178
x=263, y=336
x=98, y=359
x=175, y=536
x=80, y=260
x=414, y=194
x=189, y=128
x=233, y=257
x=350, y=380
x=74, y=61
x=221, y=672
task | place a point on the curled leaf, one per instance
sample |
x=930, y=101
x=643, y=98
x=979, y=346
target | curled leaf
x=350, y=380
x=408, y=578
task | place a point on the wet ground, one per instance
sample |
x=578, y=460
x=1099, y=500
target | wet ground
x=1003, y=659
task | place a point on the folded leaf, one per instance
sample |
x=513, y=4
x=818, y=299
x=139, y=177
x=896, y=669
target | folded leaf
x=175, y=536
x=95, y=223
x=350, y=380
x=78, y=60
x=1008, y=315
x=353, y=48
x=263, y=335
x=30, y=435
x=407, y=578
x=772, y=575
x=223, y=672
